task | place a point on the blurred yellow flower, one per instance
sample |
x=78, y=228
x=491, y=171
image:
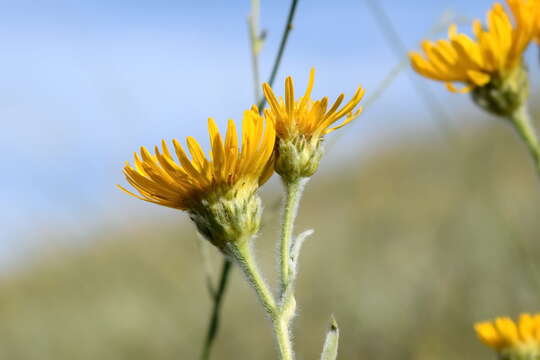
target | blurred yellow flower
x=306, y=117
x=510, y=339
x=230, y=171
x=495, y=52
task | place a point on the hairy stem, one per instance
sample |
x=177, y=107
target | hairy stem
x=287, y=303
x=243, y=256
x=293, y=193
x=523, y=125
x=283, y=338
x=213, y=325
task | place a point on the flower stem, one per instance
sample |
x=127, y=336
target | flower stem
x=243, y=256
x=285, y=311
x=283, y=338
x=523, y=125
x=214, y=319
x=293, y=194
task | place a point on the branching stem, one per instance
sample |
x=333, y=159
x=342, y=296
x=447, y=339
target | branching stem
x=242, y=254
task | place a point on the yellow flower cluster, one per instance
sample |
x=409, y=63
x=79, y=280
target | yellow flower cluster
x=496, y=50
x=510, y=338
x=161, y=180
x=219, y=192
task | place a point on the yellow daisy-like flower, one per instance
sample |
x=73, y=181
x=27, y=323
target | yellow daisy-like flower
x=306, y=117
x=512, y=340
x=219, y=192
x=496, y=51
x=301, y=125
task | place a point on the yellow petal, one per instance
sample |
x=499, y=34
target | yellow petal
x=507, y=329
x=464, y=90
x=488, y=334
x=478, y=78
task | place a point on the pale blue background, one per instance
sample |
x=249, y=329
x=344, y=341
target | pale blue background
x=84, y=83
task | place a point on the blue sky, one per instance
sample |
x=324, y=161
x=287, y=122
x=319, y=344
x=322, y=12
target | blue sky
x=84, y=83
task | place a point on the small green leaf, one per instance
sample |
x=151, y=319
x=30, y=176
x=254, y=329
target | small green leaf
x=331, y=343
x=296, y=247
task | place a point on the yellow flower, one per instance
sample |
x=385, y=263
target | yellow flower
x=512, y=340
x=306, y=117
x=301, y=125
x=496, y=51
x=219, y=192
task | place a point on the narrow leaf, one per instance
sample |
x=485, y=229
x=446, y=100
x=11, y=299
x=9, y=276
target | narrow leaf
x=330, y=349
x=296, y=247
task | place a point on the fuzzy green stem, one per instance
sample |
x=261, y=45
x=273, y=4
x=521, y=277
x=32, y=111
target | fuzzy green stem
x=283, y=338
x=523, y=125
x=293, y=193
x=287, y=303
x=243, y=256
x=218, y=300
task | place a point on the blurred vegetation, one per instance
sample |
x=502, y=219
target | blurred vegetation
x=412, y=246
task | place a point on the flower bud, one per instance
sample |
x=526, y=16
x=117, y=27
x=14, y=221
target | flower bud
x=298, y=157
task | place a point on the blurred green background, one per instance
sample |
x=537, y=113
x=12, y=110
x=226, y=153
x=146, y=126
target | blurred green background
x=425, y=210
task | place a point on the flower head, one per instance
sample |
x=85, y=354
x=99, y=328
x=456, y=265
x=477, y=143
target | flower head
x=302, y=123
x=219, y=192
x=494, y=54
x=512, y=340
